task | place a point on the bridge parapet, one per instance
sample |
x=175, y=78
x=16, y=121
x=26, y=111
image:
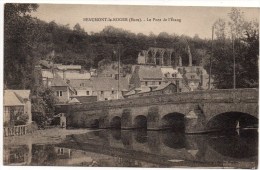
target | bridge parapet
x=223, y=95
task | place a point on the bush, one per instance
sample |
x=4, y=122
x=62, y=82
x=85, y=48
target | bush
x=39, y=118
x=21, y=120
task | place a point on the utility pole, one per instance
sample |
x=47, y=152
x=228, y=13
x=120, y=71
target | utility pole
x=118, y=71
x=211, y=56
x=234, y=62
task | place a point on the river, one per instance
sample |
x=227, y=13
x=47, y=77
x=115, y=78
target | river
x=141, y=148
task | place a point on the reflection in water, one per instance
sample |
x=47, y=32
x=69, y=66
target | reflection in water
x=141, y=148
x=243, y=145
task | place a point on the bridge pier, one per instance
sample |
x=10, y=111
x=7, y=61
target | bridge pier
x=195, y=121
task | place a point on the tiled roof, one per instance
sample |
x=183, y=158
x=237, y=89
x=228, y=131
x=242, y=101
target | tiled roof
x=24, y=94
x=74, y=100
x=150, y=73
x=145, y=89
x=170, y=71
x=45, y=63
x=163, y=86
x=58, y=81
x=108, y=83
x=77, y=75
x=81, y=84
x=189, y=75
x=130, y=93
x=11, y=99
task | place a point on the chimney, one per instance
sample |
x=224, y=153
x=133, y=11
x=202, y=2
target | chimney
x=190, y=57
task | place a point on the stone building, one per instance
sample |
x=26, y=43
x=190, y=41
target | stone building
x=159, y=56
x=187, y=78
x=62, y=90
x=146, y=76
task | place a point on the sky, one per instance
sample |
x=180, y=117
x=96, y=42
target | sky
x=194, y=20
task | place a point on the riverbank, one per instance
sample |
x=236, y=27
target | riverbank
x=46, y=136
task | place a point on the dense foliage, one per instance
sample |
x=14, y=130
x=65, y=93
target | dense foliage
x=27, y=40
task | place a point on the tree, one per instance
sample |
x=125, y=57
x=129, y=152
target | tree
x=19, y=34
x=43, y=104
x=245, y=36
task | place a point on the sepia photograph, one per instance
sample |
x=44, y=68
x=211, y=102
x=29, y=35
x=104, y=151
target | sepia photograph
x=156, y=86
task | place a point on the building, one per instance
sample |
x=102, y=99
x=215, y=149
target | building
x=62, y=90
x=106, y=88
x=174, y=76
x=48, y=69
x=16, y=103
x=167, y=88
x=146, y=76
x=186, y=78
x=195, y=77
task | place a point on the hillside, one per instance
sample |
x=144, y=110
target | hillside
x=27, y=40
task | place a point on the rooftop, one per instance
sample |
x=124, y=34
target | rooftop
x=15, y=97
x=108, y=83
x=58, y=81
x=75, y=75
x=150, y=72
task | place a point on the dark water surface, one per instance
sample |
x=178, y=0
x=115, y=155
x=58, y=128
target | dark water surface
x=141, y=148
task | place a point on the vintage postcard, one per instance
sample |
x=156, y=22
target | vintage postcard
x=130, y=86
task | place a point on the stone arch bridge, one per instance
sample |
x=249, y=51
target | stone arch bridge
x=192, y=112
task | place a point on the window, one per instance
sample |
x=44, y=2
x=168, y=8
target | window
x=76, y=93
x=61, y=151
x=101, y=92
x=173, y=75
x=58, y=93
x=113, y=92
x=192, y=76
x=160, y=83
x=87, y=92
x=146, y=83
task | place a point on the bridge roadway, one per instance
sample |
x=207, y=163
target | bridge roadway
x=193, y=112
x=160, y=148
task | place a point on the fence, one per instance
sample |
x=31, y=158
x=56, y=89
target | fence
x=19, y=130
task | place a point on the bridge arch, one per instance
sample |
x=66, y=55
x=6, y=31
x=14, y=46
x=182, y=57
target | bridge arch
x=174, y=121
x=140, y=121
x=115, y=122
x=230, y=120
